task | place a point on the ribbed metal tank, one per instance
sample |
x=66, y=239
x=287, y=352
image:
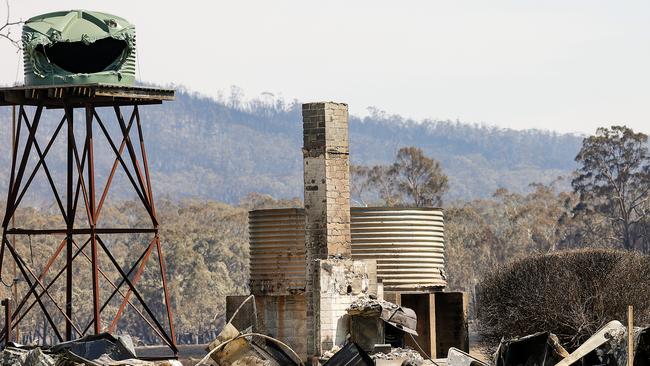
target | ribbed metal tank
x=78, y=47
x=277, y=251
x=408, y=244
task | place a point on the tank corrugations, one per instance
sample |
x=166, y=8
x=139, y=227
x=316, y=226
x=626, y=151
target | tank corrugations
x=78, y=47
x=277, y=251
x=408, y=244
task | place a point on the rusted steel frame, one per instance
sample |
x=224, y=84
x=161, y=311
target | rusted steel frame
x=136, y=164
x=122, y=294
x=29, y=308
x=21, y=170
x=50, y=261
x=131, y=150
x=137, y=294
x=84, y=155
x=163, y=276
x=71, y=203
x=161, y=260
x=93, y=222
x=118, y=158
x=6, y=303
x=23, y=267
x=42, y=161
x=80, y=173
x=29, y=282
x=2, y=254
x=143, y=152
x=14, y=189
x=136, y=279
x=82, y=231
x=41, y=276
x=14, y=158
x=133, y=267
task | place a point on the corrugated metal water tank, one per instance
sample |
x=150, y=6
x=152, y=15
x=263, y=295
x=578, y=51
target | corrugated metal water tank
x=78, y=47
x=277, y=251
x=408, y=244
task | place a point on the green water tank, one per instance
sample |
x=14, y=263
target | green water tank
x=78, y=47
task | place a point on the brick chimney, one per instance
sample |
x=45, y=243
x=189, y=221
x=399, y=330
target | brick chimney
x=327, y=203
x=326, y=161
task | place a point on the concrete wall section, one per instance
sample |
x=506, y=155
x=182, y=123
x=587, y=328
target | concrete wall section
x=341, y=282
x=281, y=317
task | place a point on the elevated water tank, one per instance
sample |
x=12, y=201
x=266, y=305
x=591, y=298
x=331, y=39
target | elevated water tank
x=408, y=244
x=78, y=47
x=277, y=251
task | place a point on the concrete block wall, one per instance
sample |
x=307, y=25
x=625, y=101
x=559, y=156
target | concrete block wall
x=282, y=317
x=341, y=283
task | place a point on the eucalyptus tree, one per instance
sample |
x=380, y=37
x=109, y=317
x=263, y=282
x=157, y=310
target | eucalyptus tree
x=613, y=181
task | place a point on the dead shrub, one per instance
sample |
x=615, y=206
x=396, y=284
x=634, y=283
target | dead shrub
x=569, y=293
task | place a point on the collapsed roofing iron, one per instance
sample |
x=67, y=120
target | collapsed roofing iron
x=611, y=331
x=456, y=357
x=94, y=350
x=78, y=47
x=608, y=346
x=350, y=355
x=400, y=317
x=542, y=349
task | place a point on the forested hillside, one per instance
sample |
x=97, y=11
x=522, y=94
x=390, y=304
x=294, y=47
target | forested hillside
x=503, y=200
x=222, y=150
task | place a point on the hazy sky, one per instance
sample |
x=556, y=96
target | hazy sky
x=559, y=65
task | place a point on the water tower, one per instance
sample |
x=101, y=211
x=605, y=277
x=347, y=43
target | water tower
x=83, y=61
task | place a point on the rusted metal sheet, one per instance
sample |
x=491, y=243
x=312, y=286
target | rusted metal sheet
x=456, y=357
x=350, y=355
x=408, y=244
x=542, y=349
x=605, y=334
x=58, y=96
x=277, y=251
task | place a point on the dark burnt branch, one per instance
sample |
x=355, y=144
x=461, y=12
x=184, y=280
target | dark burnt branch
x=6, y=28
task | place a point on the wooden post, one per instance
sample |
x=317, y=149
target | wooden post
x=7, y=305
x=432, y=326
x=630, y=335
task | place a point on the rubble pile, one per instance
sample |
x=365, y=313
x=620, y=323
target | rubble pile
x=608, y=346
x=95, y=350
x=368, y=306
x=402, y=354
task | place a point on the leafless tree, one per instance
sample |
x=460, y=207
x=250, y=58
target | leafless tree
x=7, y=27
x=419, y=177
x=413, y=179
x=613, y=181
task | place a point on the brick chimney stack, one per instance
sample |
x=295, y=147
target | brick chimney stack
x=326, y=162
x=327, y=203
